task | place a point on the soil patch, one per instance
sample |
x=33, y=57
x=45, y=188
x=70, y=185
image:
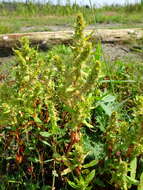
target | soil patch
x=68, y=27
x=114, y=52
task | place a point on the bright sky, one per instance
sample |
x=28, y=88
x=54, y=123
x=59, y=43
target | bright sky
x=99, y=2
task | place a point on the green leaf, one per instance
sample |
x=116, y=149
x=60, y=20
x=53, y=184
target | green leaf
x=45, y=142
x=46, y=187
x=118, y=81
x=99, y=182
x=107, y=104
x=88, y=124
x=133, y=166
x=73, y=185
x=26, y=78
x=90, y=177
x=46, y=161
x=107, y=108
x=32, y=186
x=35, y=160
x=66, y=171
x=91, y=164
x=37, y=120
x=140, y=186
x=45, y=134
x=108, y=98
x=132, y=181
x=70, y=89
x=14, y=181
x=67, y=108
x=88, y=188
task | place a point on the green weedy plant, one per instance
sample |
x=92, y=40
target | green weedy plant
x=44, y=108
x=58, y=130
x=82, y=183
x=124, y=146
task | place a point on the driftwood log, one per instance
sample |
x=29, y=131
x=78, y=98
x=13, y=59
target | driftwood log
x=47, y=39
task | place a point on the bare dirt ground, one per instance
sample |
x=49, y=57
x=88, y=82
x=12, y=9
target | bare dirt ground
x=114, y=52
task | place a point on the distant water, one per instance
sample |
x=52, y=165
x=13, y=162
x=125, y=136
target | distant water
x=97, y=2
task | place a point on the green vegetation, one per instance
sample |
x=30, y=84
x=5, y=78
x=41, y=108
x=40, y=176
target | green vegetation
x=16, y=17
x=71, y=120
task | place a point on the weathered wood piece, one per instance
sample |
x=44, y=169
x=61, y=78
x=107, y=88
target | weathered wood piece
x=65, y=37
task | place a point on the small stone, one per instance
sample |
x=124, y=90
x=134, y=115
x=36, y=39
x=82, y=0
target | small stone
x=5, y=37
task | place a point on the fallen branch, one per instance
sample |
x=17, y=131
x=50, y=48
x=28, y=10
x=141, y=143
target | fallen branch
x=48, y=39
